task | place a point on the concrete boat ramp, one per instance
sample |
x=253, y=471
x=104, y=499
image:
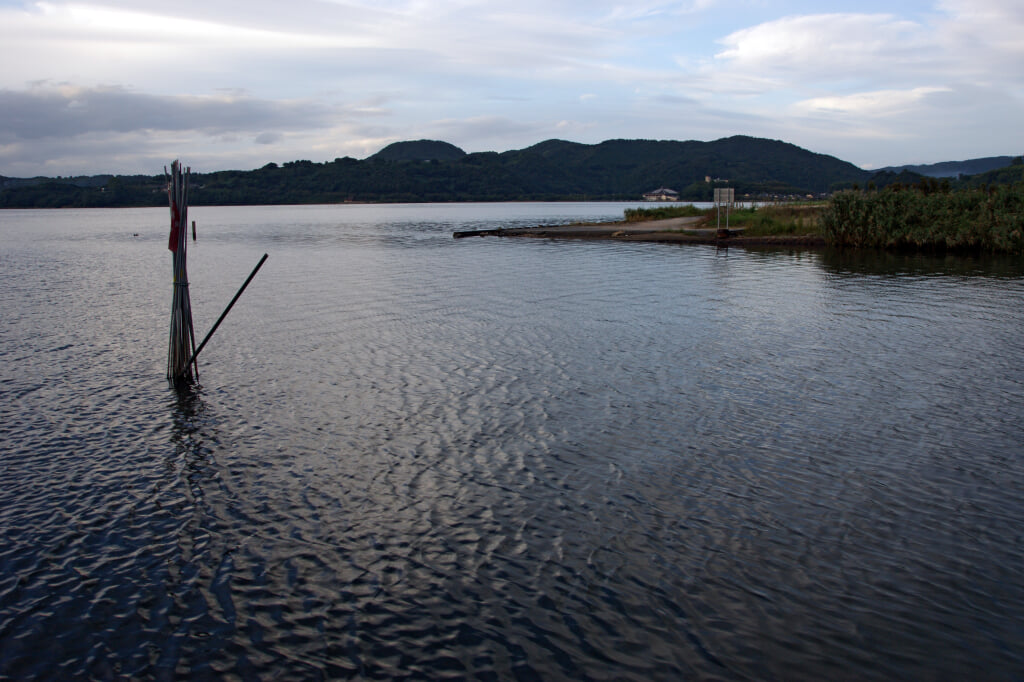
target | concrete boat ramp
x=591, y=230
x=670, y=230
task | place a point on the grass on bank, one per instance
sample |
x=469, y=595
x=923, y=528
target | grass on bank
x=758, y=221
x=783, y=219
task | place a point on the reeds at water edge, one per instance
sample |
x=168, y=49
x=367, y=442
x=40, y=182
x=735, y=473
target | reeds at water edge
x=924, y=217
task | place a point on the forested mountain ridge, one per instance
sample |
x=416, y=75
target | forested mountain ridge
x=952, y=169
x=428, y=170
x=632, y=167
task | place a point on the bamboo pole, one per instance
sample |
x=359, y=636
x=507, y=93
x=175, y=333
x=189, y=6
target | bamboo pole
x=181, y=343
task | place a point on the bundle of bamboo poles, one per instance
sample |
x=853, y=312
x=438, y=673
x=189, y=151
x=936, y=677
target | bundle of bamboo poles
x=182, y=343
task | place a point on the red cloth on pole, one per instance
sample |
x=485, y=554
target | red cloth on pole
x=172, y=244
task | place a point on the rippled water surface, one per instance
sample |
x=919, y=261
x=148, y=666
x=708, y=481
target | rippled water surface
x=410, y=456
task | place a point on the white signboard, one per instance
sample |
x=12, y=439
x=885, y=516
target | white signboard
x=725, y=195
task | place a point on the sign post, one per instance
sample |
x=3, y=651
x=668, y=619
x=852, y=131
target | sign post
x=724, y=195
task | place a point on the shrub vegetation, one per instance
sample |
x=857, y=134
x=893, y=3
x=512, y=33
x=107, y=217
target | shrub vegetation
x=928, y=216
x=636, y=215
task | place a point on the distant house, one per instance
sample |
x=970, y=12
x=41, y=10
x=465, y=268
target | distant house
x=662, y=194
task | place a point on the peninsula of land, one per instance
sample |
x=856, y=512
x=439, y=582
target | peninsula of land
x=686, y=230
x=928, y=216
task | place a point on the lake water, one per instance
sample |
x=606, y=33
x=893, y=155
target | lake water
x=416, y=457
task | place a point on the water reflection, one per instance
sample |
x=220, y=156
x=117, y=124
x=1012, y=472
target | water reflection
x=194, y=614
x=891, y=263
x=188, y=425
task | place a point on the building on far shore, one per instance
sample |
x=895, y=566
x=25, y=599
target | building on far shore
x=662, y=194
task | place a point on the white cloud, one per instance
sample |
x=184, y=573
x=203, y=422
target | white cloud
x=866, y=86
x=618, y=12
x=481, y=133
x=1002, y=16
x=986, y=37
x=268, y=138
x=70, y=111
x=868, y=105
x=968, y=40
x=828, y=46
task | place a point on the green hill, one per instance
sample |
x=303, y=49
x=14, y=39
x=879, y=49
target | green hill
x=420, y=150
x=632, y=167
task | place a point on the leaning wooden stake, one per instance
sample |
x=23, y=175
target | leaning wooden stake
x=182, y=341
x=226, y=311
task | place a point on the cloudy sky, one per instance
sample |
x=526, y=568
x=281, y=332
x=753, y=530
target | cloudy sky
x=125, y=86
